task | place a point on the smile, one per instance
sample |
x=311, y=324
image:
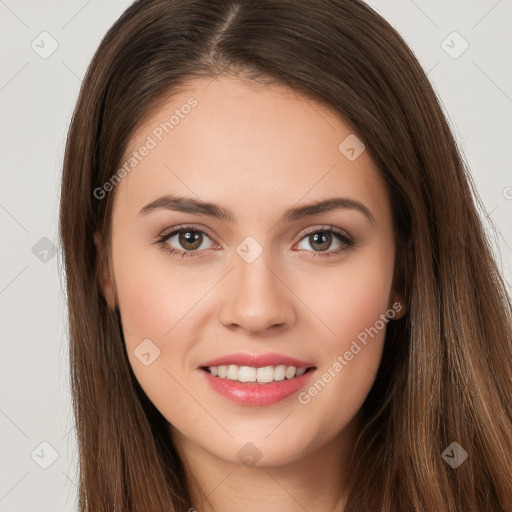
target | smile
x=262, y=385
x=262, y=375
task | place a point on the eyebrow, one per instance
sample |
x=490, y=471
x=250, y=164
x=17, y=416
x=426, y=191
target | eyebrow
x=191, y=205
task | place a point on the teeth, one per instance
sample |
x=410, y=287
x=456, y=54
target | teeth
x=265, y=374
x=290, y=372
x=232, y=372
x=245, y=374
x=251, y=374
x=280, y=372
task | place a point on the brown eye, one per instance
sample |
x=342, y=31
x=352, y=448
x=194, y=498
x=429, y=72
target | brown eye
x=321, y=240
x=185, y=240
x=190, y=239
x=326, y=242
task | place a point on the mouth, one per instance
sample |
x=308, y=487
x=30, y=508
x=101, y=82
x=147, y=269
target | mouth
x=257, y=379
x=257, y=375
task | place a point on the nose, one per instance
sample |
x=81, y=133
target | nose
x=257, y=297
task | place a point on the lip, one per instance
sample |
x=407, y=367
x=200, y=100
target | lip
x=257, y=360
x=254, y=393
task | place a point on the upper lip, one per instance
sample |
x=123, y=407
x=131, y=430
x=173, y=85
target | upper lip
x=258, y=360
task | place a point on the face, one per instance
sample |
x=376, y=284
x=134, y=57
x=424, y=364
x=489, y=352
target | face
x=268, y=284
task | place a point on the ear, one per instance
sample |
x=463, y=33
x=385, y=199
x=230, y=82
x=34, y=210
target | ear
x=104, y=272
x=402, y=278
x=398, y=304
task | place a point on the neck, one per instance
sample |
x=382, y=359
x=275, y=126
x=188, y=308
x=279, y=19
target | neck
x=315, y=480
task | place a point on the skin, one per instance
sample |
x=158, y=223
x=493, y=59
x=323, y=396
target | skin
x=256, y=150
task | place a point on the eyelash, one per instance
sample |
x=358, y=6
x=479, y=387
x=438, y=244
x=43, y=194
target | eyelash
x=348, y=241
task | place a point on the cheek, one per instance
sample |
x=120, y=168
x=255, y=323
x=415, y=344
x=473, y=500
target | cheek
x=351, y=297
x=154, y=296
x=352, y=308
x=157, y=304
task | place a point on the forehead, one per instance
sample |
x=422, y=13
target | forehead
x=246, y=145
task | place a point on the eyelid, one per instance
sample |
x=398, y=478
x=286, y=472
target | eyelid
x=328, y=227
x=170, y=231
x=182, y=227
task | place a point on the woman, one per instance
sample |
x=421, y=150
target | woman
x=280, y=293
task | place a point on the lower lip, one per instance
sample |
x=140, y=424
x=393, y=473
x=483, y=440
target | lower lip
x=254, y=393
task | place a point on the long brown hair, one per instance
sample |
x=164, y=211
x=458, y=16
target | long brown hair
x=446, y=369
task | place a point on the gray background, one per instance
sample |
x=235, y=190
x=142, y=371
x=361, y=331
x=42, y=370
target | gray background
x=37, y=96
